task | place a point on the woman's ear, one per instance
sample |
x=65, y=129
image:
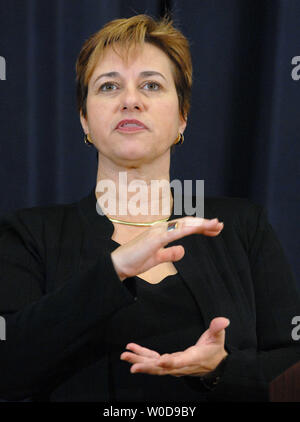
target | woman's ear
x=183, y=123
x=84, y=123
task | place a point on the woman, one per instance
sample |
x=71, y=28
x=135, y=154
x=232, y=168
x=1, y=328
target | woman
x=132, y=307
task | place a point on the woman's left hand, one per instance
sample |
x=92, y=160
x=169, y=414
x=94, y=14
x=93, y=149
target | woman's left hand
x=196, y=360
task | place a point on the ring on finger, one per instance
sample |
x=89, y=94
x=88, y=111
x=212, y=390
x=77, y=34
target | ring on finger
x=172, y=226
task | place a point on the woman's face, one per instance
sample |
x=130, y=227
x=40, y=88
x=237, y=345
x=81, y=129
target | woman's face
x=142, y=90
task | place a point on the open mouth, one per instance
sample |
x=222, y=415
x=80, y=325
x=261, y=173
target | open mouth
x=130, y=125
x=130, y=128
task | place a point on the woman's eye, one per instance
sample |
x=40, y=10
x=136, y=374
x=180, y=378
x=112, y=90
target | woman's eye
x=153, y=86
x=108, y=86
x=112, y=86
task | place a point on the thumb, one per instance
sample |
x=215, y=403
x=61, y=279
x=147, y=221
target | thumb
x=171, y=254
x=217, y=327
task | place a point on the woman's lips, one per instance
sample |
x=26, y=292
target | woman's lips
x=130, y=128
x=130, y=125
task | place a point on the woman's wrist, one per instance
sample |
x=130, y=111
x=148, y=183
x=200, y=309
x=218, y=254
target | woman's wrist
x=211, y=379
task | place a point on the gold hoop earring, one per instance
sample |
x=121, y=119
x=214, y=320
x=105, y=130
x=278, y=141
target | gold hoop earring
x=179, y=139
x=87, y=140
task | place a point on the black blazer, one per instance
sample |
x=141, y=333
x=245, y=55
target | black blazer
x=58, y=288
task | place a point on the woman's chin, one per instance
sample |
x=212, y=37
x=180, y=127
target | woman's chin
x=132, y=160
x=134, y=155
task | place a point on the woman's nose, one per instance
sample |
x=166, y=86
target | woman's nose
x=131, y=100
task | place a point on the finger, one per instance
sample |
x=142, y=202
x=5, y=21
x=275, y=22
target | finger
x=177, y=360
x=218, y=324
x=134, y=358
x=217, y=327
x=156, y=370
x=199, y=223
x=144, y=351
x=171, y=254
x=148, y=369
x=212, y=230
x=212, y=233
x=166, y=359
x=187, y=226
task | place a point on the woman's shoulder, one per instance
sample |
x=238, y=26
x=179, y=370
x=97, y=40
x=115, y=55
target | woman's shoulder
x=237, y=211
x=37, y=222
x=35, y=215
x=234, y=208
x=240, y=215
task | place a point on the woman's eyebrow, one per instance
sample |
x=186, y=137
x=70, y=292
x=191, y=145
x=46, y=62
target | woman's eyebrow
x=148, y=73
x=145, y=73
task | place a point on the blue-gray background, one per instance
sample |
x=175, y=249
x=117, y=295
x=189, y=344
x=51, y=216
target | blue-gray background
x=243, y=134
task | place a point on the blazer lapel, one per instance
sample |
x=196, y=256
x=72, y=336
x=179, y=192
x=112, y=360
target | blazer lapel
x=207, y=287
x=191, y=269
x=203, y=279
x=191, y=266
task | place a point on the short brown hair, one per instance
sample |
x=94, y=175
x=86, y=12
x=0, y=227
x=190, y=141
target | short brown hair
x=129, y=33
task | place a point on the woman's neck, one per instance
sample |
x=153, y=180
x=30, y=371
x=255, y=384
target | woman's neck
x=140, y=194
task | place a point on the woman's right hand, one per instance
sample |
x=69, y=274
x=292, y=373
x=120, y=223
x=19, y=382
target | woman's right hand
x=148, y=249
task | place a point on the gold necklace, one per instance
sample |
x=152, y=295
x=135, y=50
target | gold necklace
x=114, y=220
